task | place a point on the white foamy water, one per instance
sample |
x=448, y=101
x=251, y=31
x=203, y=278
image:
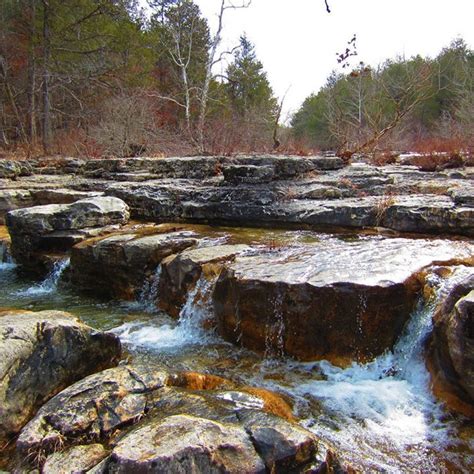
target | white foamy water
x=187, y=331
x=50, y=283
x=383, y=411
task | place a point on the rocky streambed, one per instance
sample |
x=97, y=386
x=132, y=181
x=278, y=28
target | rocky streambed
x=244, y=314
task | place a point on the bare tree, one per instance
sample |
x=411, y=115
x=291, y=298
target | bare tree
x=211, y=62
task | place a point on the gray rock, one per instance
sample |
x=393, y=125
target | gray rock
x=40, y=354
x=183, y=444
x=236, y=174
x=92, y=408
x=119, y=264
x=77, y=459
x=31, y=228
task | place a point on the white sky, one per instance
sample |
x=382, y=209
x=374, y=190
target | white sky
x=297, y=40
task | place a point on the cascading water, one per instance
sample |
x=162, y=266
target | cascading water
x=382, y=411
x=6, y=260
x=188, y=331
x=50, y=283
x=149, y=294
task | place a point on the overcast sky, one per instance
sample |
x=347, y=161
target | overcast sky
x=297, y=40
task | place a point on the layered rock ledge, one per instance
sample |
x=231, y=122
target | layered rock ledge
x=56, y=227
x=260, y=190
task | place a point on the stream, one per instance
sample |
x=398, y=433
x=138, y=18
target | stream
x=381, y=416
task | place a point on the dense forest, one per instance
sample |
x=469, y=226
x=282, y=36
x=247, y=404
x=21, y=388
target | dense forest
x=101, y=77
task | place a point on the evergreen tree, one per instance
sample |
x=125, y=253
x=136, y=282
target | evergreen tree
x=248, y=88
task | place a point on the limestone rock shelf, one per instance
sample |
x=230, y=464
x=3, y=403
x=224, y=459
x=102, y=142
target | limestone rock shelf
x=252, y=190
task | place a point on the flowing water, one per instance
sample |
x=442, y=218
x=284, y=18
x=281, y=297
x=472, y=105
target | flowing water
x=381, y=416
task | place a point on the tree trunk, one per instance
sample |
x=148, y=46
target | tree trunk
x=46, y=78
x=32, y=76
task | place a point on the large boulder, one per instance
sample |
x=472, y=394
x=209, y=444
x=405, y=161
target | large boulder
x=180, y=273
x=185, y=443
x=337, y=300
x=41, y=354
x=156, y=422
x=49, y=228
x=451, y=348
x=118, y=265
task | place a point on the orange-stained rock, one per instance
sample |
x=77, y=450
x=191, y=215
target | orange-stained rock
x=272, y=402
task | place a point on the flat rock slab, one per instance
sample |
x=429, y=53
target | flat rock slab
x=336, y=300
x=118, y=265
x=40, y=354
x=90, y=212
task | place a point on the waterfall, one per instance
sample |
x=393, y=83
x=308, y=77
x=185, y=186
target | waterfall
x=188, y=331
x=385, y=406
x=149, y=294
x=50, y=283
x=275, y=331
x=6, y=260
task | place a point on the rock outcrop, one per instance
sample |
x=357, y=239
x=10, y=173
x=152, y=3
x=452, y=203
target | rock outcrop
x=451, y=348
x=255, y=190
x=41, y=354
x=119, y=264
x=56, y=227
x=154, y=421
x=335, y=300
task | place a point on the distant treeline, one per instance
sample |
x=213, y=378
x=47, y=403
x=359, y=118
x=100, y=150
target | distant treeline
x=101, y=77
x=405, y=103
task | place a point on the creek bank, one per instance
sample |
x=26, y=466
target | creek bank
x=257, y=190
x=42, y=353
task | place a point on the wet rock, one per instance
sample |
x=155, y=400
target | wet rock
x=40, y=354
x=335, y=300
x=118, y=265
x=185, y=443
x=30, y=228
x=451, y=348
x=76, y=459
x=283, y=446
x=181, y=272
